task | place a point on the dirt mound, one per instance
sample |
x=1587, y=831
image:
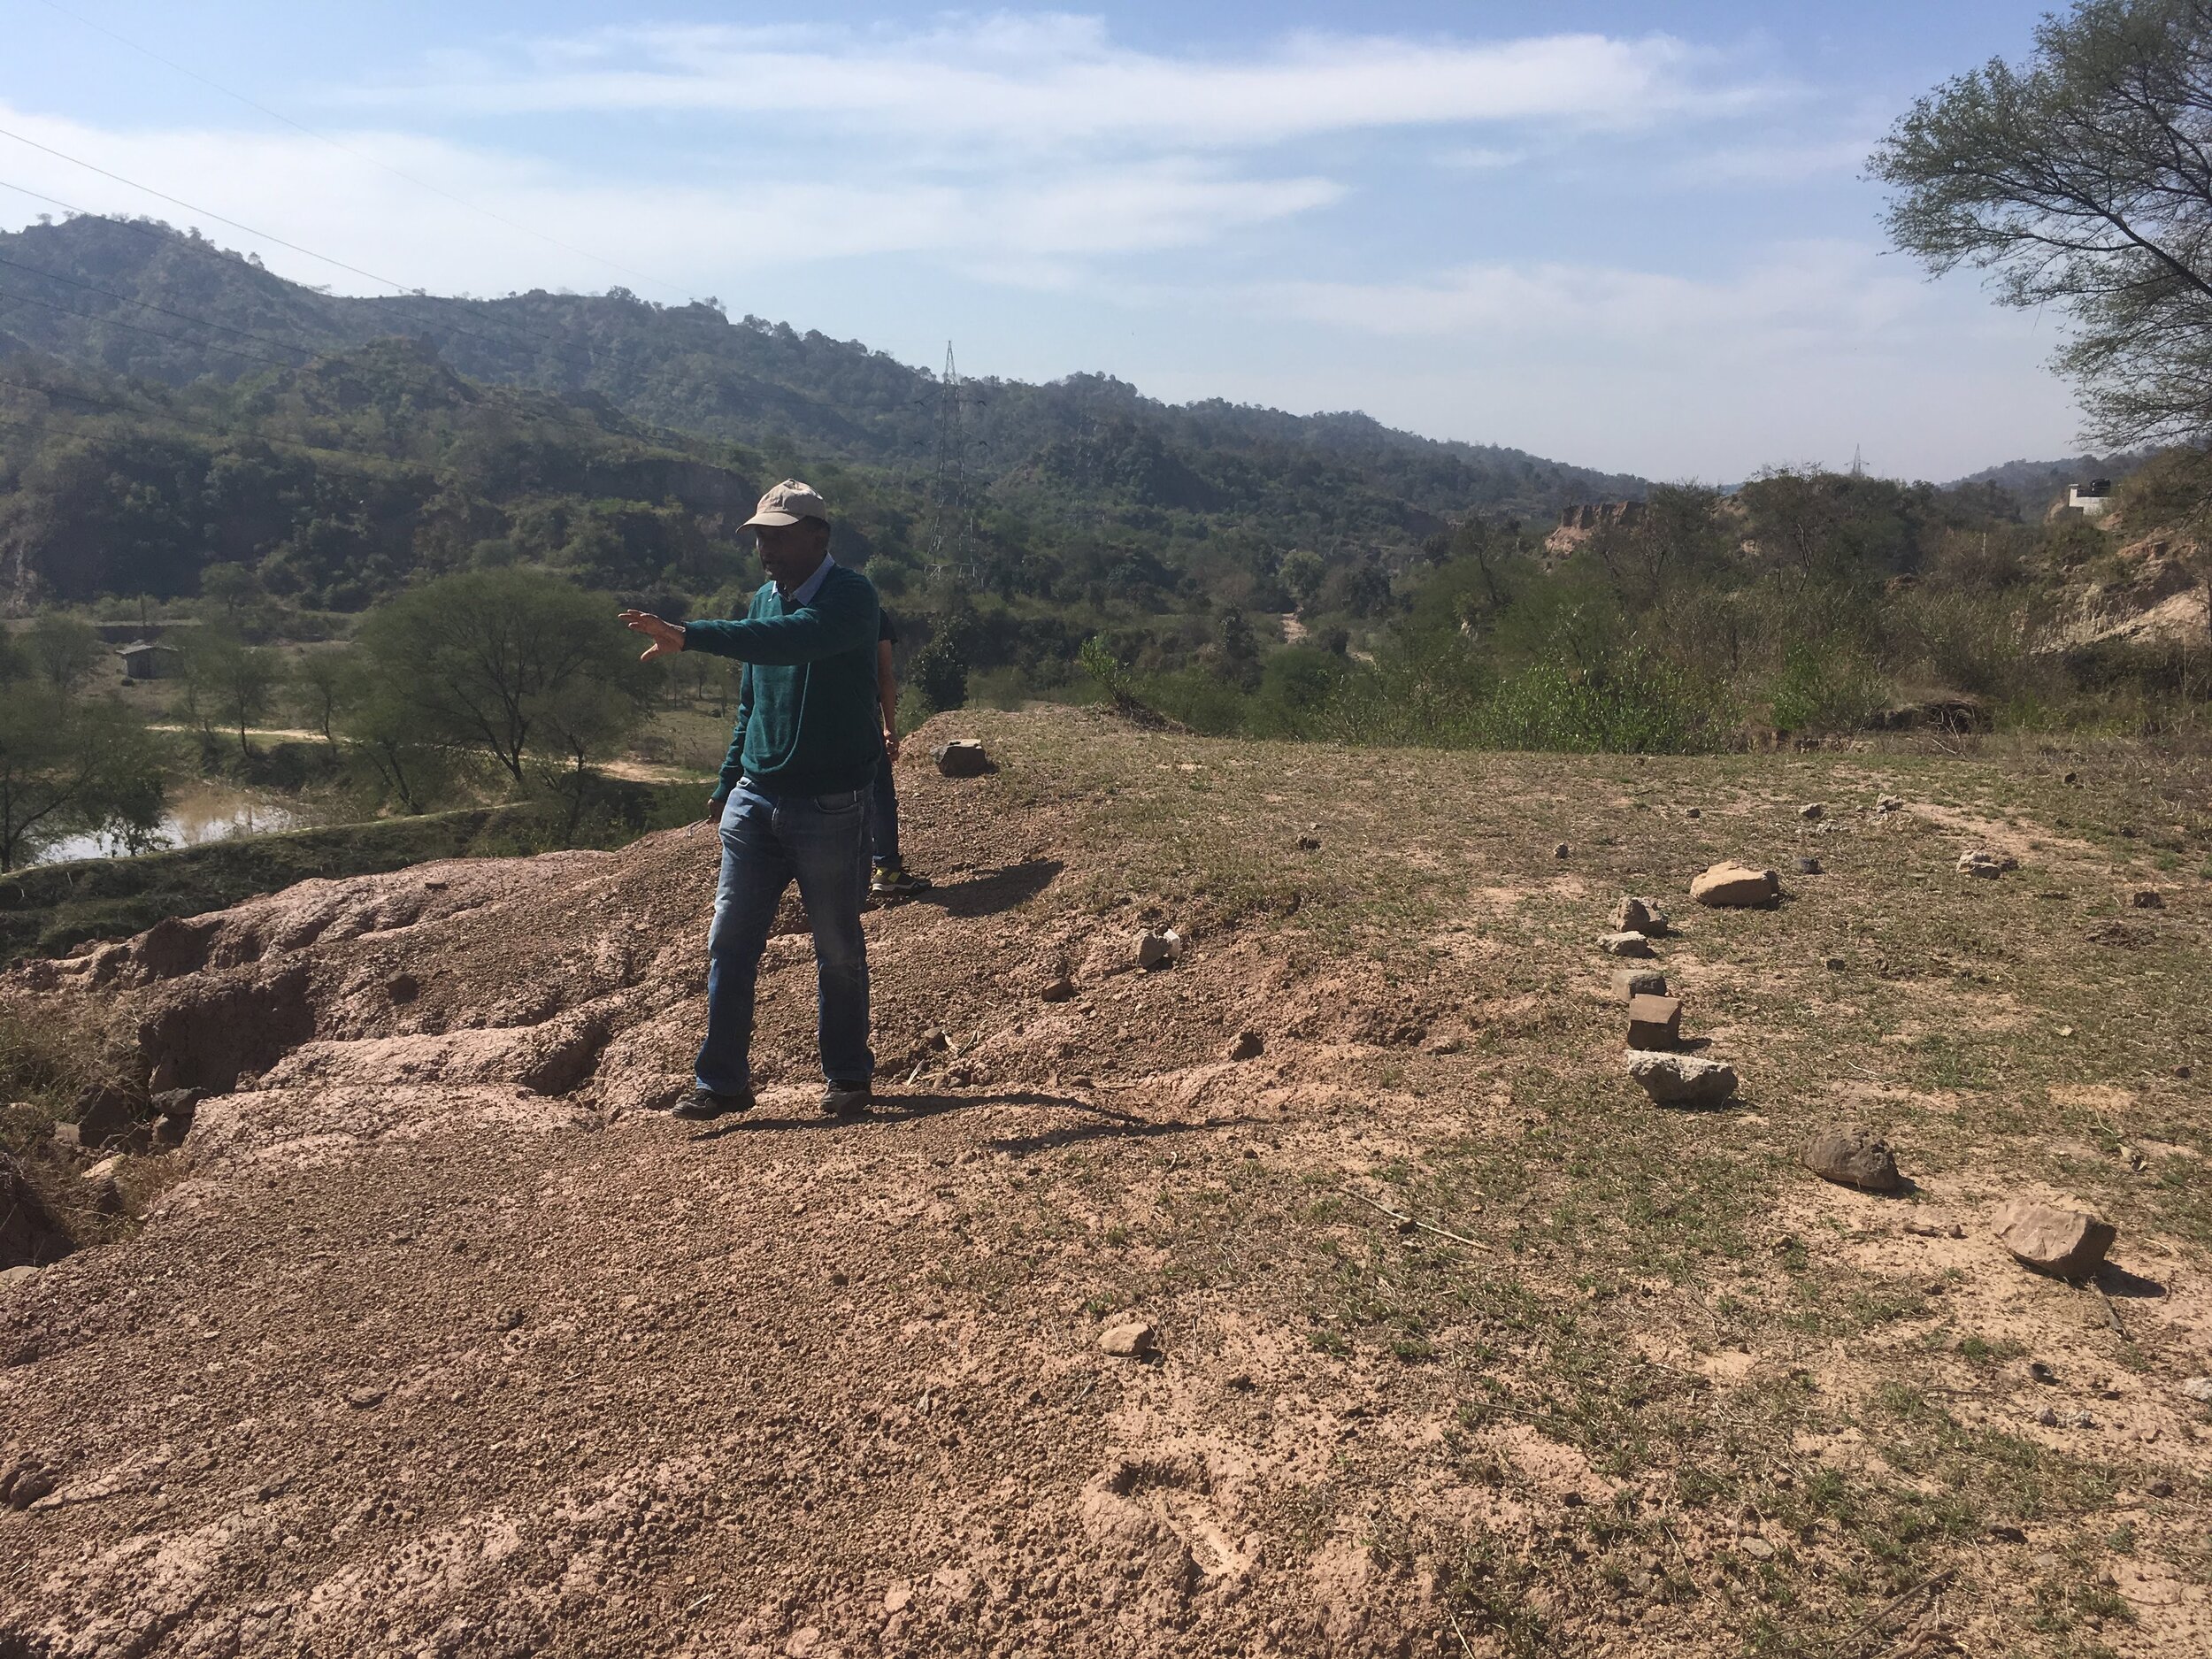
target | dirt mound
x=435, y=1341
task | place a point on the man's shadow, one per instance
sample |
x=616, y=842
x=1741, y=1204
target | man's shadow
x=987, y=893
x=1106, y=1122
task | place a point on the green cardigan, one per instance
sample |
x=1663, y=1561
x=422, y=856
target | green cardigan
x=807, y=716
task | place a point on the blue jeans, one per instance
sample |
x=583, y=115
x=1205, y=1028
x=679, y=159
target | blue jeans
x=883, y=815
x=821, y=842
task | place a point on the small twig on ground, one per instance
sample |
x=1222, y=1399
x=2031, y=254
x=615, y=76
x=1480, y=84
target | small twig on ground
x=1413, y=1221
x=1462, y=1634
x=2112, y=1313
x=1882, y=1614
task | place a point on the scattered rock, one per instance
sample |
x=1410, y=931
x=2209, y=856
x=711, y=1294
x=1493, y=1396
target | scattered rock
x=1812, y=811
x=1631, y=982
x=1888, y=803
x=1853, y=1157
x=1132, y=1339
x=1248, y=1046
x=962, y=757
x=2073, y=778
x=1757, y=1549
x=2042, y=1372
x=1979, y=861
x=2068, y=1243
x=1737, y=885
x=1561, y=850
x=26, y=1480
x=2047, y=1417
x=1639, y=915
x=1934, y=1226
x=1059, y=989
x=1834, y=965
x=1309, y=843
x=365, y=1399
x=1808, y=867
x=1161, y=949
x=1625, y=944
x=2150, y=899
x=2198, y=1389
x=1683, y=1080
x=1695, y=812
x=1655, y=1022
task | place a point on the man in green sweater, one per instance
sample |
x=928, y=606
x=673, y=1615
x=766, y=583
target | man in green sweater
x=793, y=803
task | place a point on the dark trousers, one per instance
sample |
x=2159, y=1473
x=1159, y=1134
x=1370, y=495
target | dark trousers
x=820, y=842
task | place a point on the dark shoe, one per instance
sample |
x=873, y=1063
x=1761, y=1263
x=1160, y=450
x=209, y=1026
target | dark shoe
x=893, y=880
x=705, y=1105
x=845, y=1100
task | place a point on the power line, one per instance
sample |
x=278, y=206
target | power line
x=184, y=316
x=399, y=288
x=420, y=184
x=174, y=340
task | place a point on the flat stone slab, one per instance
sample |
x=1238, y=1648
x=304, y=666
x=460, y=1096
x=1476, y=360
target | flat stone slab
x=1625, y=944
x=1683, y=1080
x=2067, y=1243
x=1853, y=1157
x=1730, y=884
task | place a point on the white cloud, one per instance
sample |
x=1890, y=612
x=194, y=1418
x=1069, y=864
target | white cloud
x=341, y=203
x=1056, y=80
x=1831, y=292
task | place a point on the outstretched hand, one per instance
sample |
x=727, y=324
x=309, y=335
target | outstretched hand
x=667, y=638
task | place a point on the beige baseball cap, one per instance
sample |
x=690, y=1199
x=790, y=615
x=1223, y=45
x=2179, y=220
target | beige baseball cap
x=788, y=503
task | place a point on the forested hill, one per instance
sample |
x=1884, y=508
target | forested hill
x=138, y=299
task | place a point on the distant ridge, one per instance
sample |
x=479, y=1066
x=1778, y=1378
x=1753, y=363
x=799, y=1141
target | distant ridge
x=80, y=287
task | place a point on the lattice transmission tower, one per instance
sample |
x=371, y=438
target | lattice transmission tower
x=951, y=545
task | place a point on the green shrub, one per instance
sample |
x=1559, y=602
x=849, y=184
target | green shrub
x=1827, y=688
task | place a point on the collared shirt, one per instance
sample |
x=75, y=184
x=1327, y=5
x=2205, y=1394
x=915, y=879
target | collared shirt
x=803, y=594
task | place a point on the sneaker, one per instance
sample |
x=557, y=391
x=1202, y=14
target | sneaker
x=893, y=880
x=845, y=1100
x=705, y=1105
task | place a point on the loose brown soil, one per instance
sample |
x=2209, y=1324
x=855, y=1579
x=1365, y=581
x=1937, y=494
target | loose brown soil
x=437, y=1338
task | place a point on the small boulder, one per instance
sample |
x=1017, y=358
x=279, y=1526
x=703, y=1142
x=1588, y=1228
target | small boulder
x=2066, y=1243
x=1808, y=867
x=1655, y=1022
x=1628, y=982
x=1625, y=944
x=1059, y=989
x=1561, y=850
x=1737, y=885
x=1309, y=843
x=1886, y=805
x=1695, y=812
x=1812, y=811
x=1161, y=949
x=962, y=757
x=1976, y=861
x=1683, y=1080
x=1635, y=914
x=1249, y=1044
x=1852, y=1156
x=1128, y=1338
x=2198, y=1389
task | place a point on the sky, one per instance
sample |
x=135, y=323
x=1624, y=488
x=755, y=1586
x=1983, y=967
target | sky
x=1633, y=236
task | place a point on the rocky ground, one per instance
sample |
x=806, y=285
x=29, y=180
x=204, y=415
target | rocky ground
x=1330, y=1290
